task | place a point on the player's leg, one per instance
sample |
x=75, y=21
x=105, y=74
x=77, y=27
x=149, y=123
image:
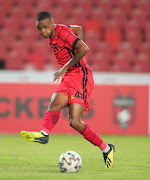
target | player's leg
x=75, y=112
x=58, y=102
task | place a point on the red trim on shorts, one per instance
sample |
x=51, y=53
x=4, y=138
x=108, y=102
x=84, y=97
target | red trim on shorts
x=86, y=109
x=63, y=92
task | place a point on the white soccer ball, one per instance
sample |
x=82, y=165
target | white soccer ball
x=69, y=162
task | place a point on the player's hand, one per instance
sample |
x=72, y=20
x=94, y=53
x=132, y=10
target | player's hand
x=60, y=73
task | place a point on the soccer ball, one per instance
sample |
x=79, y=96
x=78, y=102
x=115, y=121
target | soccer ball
x=69, y=162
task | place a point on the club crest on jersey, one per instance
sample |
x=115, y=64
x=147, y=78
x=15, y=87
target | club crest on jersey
x=55, y=48
x=124, y=109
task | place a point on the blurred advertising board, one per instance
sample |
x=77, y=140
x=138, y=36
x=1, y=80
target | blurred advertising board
x=115, y=109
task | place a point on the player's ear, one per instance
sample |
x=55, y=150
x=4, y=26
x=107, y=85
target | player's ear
x=52, y=21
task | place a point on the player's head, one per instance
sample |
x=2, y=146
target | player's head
x=45, y=24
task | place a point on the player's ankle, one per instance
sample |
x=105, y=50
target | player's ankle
x=45, y=131
x=106, y=149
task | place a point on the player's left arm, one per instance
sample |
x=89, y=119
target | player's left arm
x=81, y=50
x=77, y=30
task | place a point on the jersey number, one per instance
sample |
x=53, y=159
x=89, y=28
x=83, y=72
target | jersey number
x=79, y=95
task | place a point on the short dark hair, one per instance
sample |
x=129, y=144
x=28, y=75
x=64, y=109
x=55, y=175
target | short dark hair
x=43, y=15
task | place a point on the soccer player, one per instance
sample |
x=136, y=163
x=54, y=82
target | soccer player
x=75, y=87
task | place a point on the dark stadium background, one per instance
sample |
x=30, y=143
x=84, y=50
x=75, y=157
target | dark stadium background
x=117, y=32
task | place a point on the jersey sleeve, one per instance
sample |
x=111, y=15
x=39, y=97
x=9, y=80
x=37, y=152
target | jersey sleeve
x=68, y=37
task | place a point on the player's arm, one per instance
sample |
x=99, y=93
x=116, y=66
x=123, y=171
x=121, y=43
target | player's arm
x=81, y=50
x=77, y=30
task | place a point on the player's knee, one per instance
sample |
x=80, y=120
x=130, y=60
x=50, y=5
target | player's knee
x=73, y=123
x=54, y=106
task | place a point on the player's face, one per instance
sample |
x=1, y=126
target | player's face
x=45, y=27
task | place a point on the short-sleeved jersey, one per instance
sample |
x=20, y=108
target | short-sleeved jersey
x=63, y=46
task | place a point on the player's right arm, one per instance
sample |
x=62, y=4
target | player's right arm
x=81, y=50
x=76, y=48
x=77, y=30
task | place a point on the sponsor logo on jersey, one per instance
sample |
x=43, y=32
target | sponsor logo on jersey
x=72, y=96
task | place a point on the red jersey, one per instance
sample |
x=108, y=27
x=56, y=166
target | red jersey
x=63, y=46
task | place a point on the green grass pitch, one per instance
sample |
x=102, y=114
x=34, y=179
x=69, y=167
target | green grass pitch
x=23, y=160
